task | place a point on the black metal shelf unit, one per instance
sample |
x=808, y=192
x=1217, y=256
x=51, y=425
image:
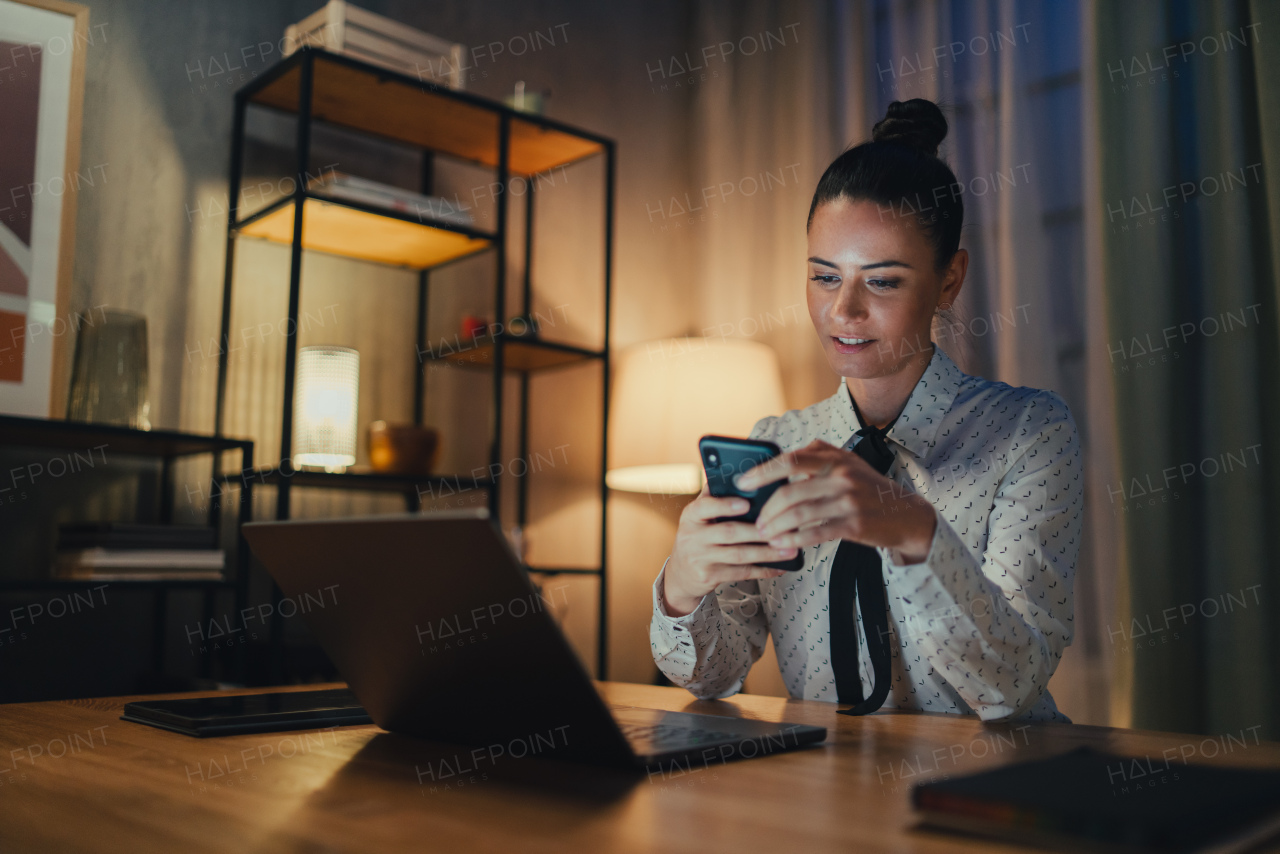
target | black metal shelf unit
x=168, y=446
x=315, y=85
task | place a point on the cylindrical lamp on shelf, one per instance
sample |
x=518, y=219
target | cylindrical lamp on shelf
x=667, y=394
x=325, y=403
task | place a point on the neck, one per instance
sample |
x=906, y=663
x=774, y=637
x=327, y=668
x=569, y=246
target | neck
x=880, y=399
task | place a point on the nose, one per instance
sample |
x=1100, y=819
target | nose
x=849, y=306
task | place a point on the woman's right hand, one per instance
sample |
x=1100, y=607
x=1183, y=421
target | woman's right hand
x=708, y=554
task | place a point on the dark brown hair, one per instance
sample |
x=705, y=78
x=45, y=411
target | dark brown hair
x=899, y=170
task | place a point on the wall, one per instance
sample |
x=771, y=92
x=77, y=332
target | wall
x=150, y=234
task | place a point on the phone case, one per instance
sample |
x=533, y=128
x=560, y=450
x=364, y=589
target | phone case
x=724, y=457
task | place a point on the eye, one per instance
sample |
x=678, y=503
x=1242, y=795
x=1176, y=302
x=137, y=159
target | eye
x=882, y=284
x=824, y=278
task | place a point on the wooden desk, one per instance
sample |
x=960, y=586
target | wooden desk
x=118, y=786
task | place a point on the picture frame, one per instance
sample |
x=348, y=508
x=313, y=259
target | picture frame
x=43, y=44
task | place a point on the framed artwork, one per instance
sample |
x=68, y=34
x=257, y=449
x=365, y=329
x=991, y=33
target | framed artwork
x=42, y=58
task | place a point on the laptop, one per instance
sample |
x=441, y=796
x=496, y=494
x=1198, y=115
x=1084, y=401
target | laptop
x=435, y=626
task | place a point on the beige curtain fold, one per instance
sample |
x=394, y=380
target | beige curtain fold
x=1109, y=675
x=1186, y=126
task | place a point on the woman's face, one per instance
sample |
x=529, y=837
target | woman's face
x=874, y=287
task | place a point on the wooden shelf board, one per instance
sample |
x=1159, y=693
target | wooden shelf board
x=517, y=356
x=78, y=435
x=341, y=230
x=10, y=585
x=378, y=103
x=367, y=480
x=537, y=149
x=564, y=570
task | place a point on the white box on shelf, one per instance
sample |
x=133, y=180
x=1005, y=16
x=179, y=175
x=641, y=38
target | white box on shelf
x=341, y=28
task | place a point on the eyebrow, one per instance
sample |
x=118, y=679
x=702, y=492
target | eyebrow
x=890, y=263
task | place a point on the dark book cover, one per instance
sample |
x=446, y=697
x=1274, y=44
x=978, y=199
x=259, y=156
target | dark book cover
x=134, y=535
x=1103, y=801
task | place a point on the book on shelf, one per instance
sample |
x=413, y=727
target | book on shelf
x=134, y=535
x=1092, y=800
x=132, y=551
x=149, y=575
x=340, y=186
x=143, y=559
x=140, y=564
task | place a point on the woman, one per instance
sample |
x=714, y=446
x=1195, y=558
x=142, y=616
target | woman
x=961, y=517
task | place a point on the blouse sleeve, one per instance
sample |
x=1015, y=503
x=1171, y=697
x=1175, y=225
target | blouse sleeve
x=710, y=650
x=995, y=625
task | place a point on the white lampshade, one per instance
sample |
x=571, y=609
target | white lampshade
x=325, y=402
x=667, y=394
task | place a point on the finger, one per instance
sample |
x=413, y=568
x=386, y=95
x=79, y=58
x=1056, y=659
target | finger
x=791, y=496
x=830, y=530
x=706, y=507
x=748, y=553
x=803, y=516
x=732, y=533
x=840, y=507
x=689, y=508
x=809, y=459
x=748, y=573
x=765, y=472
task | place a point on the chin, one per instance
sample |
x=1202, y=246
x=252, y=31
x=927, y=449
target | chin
x=860, y=366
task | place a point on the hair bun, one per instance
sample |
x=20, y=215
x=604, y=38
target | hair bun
x=916, y=123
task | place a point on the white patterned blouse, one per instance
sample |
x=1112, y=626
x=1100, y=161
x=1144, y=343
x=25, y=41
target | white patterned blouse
x=980, y=625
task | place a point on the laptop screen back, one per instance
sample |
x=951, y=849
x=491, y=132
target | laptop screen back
x=436, y=628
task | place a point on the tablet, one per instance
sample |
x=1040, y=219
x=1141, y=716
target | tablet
x=211, y=716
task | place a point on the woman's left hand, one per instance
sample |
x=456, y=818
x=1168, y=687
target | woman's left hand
x=842, y=497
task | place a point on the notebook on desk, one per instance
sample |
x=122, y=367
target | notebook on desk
x=1096, y=801
x=205, y=717
x=434, y=624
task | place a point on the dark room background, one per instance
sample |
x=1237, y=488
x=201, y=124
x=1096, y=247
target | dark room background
x=1118, y=185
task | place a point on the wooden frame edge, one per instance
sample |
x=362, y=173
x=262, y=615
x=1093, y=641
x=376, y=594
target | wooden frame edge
x=60, y=380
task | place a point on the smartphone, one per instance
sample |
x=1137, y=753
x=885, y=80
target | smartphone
x=723, y=458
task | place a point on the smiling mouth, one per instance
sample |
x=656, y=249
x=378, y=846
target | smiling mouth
x=853, y=340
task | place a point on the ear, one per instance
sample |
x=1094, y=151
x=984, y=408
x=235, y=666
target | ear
x=953, y=277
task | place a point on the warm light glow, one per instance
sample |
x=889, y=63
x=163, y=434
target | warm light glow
x=674, y=479
x=340, y=230
x=668, y=394
x=326, y=400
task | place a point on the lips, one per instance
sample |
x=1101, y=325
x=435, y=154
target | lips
x=842, y=347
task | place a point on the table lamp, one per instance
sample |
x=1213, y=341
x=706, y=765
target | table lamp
x=667, y=394
x=324, y=407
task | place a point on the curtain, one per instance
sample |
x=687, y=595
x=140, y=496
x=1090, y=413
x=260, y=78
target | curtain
x=769, y=108
x=766, y=117
x=1008, y=77
x=1185, y=214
